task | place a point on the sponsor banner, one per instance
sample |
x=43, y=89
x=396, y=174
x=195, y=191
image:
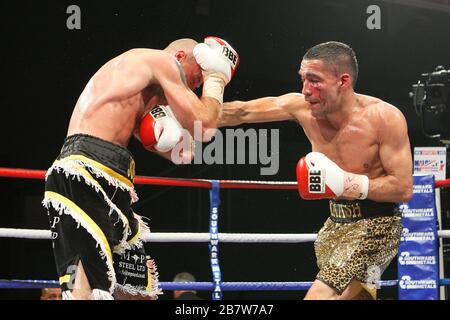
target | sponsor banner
x=407, y=258
x=214, y=240
x=418, y=262
x=430, y=160
x=416, y=213
x=423, y=237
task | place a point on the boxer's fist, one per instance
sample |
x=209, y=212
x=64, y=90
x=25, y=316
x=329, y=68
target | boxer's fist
x=318, y=177
x=219, y=62
x=159, y=129
x=215, y=55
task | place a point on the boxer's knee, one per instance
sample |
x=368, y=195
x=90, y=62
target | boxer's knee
x=358, y=291
x=321, y=291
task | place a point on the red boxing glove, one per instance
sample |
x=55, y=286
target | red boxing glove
x=318, y=178
x=159, y=129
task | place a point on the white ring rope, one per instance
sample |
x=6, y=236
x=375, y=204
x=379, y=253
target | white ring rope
x=444, y=233
x=180, y=236
x=193, y=237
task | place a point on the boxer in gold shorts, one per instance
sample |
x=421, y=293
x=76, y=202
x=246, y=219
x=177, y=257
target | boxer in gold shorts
x=358, y=241
x=361, y=153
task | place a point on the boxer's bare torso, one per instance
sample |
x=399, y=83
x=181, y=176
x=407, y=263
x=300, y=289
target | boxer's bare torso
x=110, y=107
x=355, y=145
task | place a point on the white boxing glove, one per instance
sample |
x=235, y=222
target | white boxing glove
x=319, y=177
x=219, y=62
x=160, y=130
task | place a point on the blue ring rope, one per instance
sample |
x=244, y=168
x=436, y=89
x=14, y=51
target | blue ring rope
x=207, y=286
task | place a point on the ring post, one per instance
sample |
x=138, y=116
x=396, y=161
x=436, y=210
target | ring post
x=418, y=265
x=214, y=239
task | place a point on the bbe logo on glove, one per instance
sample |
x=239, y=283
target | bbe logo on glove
x=316, y=181
x=158, y=112
x=227, y=50
x=230, y=55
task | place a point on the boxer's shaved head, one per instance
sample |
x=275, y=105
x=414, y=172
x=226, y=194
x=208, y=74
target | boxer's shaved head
x=185, y=44
x=183, y=50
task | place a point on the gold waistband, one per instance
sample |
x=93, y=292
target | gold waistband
x=345, y=211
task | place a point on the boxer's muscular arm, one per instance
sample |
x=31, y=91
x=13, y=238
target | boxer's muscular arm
x=285, y=107
x=186, y=106
x=395, y=155
x=138, y=68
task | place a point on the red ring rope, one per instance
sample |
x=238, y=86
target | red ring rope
x=181, y=182
x=442, y=183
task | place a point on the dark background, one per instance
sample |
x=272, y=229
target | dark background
x=45, y=66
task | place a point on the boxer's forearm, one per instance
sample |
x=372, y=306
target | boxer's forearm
x=208, y=115
x=253, y=111
x=231, y=114
x=390, y=189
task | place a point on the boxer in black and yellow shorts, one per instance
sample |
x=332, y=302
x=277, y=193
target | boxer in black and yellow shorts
x=358, y=241
x=88, y=194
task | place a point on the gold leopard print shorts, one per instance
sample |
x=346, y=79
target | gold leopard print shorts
x=359, y=250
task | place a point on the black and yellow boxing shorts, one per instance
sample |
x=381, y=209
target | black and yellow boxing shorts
x=358, y=241
x=88, y=195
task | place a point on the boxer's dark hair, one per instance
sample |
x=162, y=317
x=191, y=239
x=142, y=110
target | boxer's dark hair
x=337, y=54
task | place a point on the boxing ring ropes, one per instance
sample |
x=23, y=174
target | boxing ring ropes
x=213, y=237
